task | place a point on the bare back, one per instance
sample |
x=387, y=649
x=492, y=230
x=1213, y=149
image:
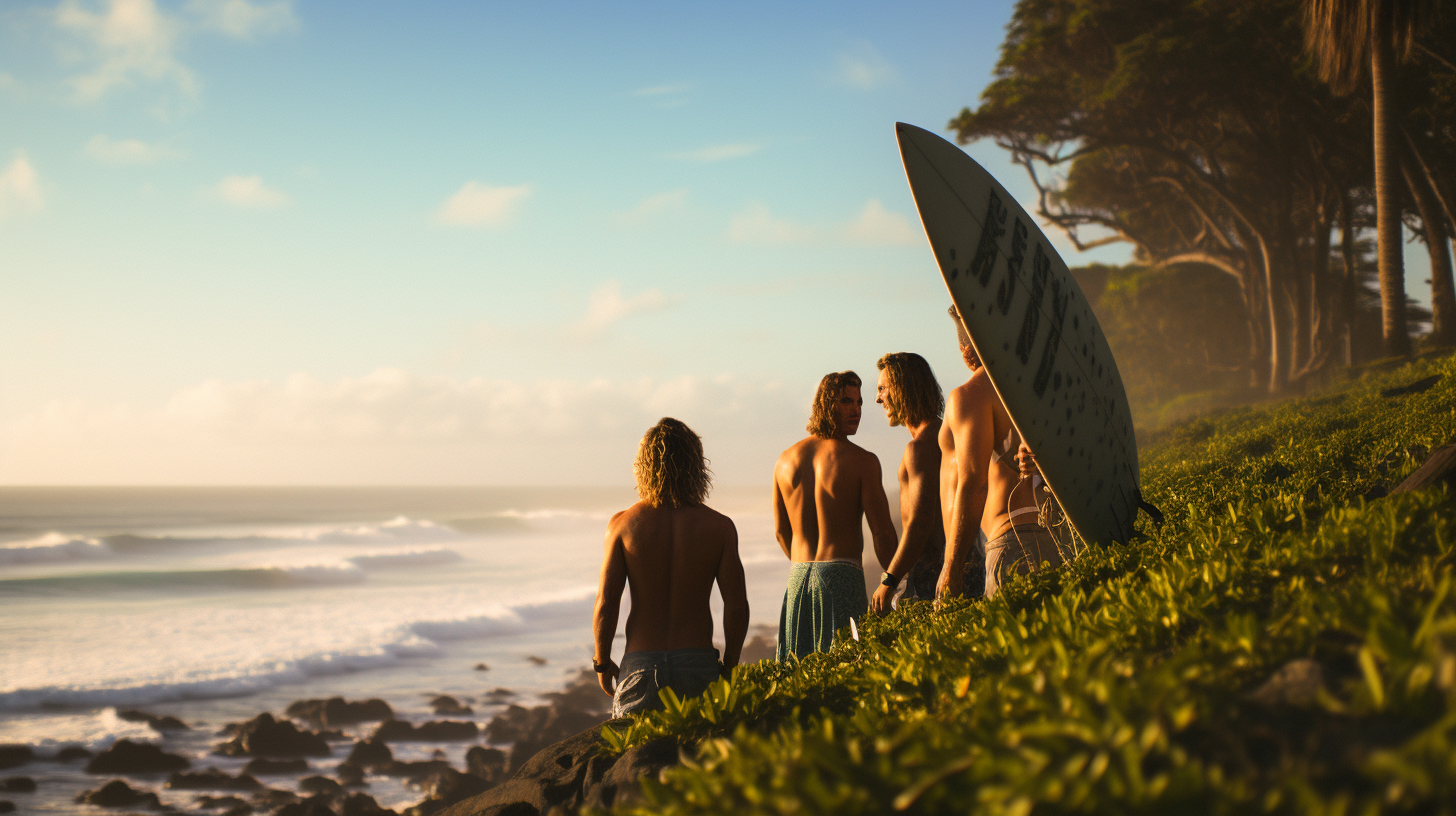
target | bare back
x=672, y=558
x=820, y=488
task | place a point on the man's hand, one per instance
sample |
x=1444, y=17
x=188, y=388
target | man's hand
x=606, y=678
x=880, y=601
x=948, y=586
x=1026, y=461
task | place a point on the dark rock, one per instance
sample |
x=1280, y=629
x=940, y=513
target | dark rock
x=445, y=788
x=158, y=723
x=318, y=805
x=350, y=775
x=12, y=756
x=481, y=667
x=320, y=784
x=269, y=767
x=72, y=753
x=18, y=784
x=487, y=763
x=233, y=803
x=447, y=706
x=213, y=779
x=433, y=731
x=117, y=793
x=6, y=807
x=415, y=772
x=266, y=737
x=555, y=777
x=371, y=752
x=1416, y=387
x=337, y=711
x=624, y=780
x=127, y=757
x=536, y=661
x=1441, y=467
x=360, y=804
x=270, y=798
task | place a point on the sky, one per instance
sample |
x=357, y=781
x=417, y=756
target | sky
x=278, y=242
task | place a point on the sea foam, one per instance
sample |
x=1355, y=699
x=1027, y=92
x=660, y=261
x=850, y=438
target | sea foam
x=51, y=548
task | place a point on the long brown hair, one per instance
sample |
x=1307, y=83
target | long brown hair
x=670, y=468
x=913, y=394
x=824, y=420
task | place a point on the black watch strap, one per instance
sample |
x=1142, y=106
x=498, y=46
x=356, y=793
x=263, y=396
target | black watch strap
x=889, y=579
x=602, y=668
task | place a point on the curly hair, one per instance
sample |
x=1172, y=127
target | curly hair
x=670, y=468
x=824, y=420
x=912, y=395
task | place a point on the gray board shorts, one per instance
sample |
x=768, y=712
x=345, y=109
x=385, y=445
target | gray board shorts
x=688, y=672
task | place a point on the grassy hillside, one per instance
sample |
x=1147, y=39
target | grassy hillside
x=1283, y=644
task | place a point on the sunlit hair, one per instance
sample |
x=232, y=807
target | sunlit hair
x=961, y=336
x=671, y=470
x=912, y=395
x=824, y=420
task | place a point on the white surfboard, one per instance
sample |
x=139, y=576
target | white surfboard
x=1034, y=331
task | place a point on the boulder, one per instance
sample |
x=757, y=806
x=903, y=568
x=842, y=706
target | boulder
x=447, y=706
x=12, y=756
x=158, y=723
x=271, y=798
x=213, y=779
x=264, y=736
x=318, y=805
x=360, y=804
x=117, y=793
x=415, y=772
x=7, y=806
x=555, y=777
x=369, y=753
x=271, y=767
x=445, y=788
x=487, y=763
x=433, y=731
x=127, y=757
x=320, y=784
x=350, y=775
x=71, y=753
x=18, y=784
x=337, y=711
x=234, y=804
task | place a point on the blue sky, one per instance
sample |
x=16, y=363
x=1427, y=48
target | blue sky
x=262, y=241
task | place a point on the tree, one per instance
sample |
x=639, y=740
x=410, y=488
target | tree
x=1345, y=36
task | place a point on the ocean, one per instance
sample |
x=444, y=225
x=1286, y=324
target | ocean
x=215, y=604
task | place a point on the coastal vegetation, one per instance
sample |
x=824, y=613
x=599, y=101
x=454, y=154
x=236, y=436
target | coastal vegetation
x=1284, y=643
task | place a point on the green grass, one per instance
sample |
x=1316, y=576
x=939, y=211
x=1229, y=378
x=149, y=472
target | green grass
x=1122, y=682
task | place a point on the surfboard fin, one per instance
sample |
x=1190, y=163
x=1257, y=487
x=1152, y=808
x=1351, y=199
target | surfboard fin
x=1151, y=509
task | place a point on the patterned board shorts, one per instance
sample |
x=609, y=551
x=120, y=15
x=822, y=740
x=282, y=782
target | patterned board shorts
x=821, y=598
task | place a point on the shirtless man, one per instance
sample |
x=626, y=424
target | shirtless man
x=823, y=486
x=670, y=548
x=981, y=488
x=911, y=397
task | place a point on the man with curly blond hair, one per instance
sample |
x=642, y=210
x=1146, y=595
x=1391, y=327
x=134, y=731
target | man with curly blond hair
x=911, y=397
x=670, y=548
x=823, y=487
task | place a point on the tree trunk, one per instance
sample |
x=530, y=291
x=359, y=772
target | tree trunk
x=1348, y=280
x=1387, y=202
x=1443, y=300
x=1443, y=286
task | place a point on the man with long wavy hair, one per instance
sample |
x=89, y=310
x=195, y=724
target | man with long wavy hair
x=911, y=397
x=670, y=548
x=823, y=487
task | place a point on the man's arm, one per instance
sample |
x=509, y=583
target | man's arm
x=922, y=494
x=783, y=526
x=734, y=589
x=877, y=510
x=609, y=604
x=972, y=429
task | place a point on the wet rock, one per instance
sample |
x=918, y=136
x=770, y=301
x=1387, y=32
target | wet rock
x=264, y=736
x=337, y=711
x=274, y=767
x=433, y=731
x=158, y=723
x=350, y=775
x=18, y=784
x=232, y=803
x=360, y=804
x=12, y=756
x=487, y=763
x=72, y=753
x=127, y=757
x=213, y=779
x=117, y=793
x=318, y=805
x=370, y=752
x=271, y=798
x=415, y=772
x=320, y=784
x=7, y=806
x=447, y=706
x=581, y=706
x=444, y=789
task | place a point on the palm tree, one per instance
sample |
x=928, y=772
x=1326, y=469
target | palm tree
x=1345, y=36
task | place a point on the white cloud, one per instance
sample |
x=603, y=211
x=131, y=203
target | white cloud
x=717, y=153
x=19, y=187
x=243, y=19
x=653, y=205
x=125, y=151
x=862, y=67
x=476, y=205
x=249, y=191
x=663, y=90
x=755, y=225
x=127, y=41
x=876, y=225
x=607, y=306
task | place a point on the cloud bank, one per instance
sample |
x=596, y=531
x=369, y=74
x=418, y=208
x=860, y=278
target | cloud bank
x=249, y=192
x=477, y=205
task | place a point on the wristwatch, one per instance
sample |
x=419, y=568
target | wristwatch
x=602, y=668
x=886, y=579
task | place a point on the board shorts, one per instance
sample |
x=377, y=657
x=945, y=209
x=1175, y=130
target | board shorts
x=821, y=598
x=1020, y=549
x=920, y=582
x=688, y=672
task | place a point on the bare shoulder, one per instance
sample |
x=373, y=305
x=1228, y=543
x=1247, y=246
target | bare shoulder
x=624, y=520
x=860, y=457
x=796, y=454
x=719, y=523
x=923, y=452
